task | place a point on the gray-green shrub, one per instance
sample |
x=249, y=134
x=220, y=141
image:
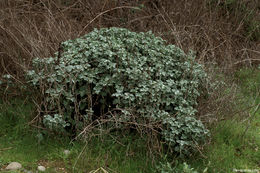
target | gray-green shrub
x=166, y=167
x=117, y=74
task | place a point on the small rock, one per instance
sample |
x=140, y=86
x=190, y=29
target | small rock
x=14, y=166
x=41, y=168
x=66, y=152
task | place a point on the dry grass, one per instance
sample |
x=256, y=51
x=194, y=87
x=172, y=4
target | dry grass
x=34, y=28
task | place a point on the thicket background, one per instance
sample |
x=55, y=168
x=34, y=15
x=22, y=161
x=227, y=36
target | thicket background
x=225, y=32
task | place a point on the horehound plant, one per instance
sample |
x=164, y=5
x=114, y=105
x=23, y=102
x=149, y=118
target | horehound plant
x=126, y=78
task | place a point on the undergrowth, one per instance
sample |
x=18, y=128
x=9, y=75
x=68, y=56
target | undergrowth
x=21, y=143
x=235, y=141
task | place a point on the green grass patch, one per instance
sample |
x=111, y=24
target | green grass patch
x=235, y=142
x=249, y=81
x=230, y=149
x=32, y=147
x=127, y=154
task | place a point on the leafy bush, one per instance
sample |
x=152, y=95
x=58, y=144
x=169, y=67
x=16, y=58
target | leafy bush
x=183, y=132
x=55, y=122
x=127, y=77
x=179, y=168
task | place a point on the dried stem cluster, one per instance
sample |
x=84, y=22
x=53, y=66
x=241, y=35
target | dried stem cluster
x=35, y=28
